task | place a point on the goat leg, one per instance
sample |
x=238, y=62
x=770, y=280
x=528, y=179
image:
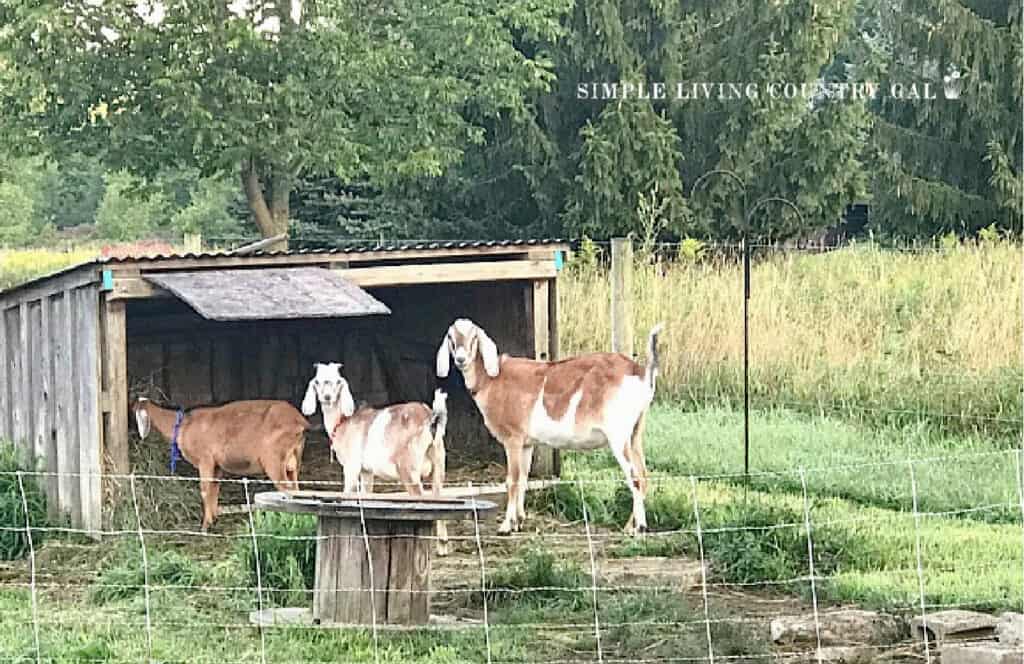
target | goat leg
x=208, y=493
x=513, y=460
x=526, y=461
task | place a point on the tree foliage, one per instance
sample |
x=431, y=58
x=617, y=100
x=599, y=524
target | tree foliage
x=952, y=164
x=268, y=91
x=577, y=166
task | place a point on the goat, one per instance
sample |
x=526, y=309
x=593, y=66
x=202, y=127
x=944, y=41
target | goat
x=581, y=403
x=238, y=438
x=390, y=442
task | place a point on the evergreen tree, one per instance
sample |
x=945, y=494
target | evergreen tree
x=578, y=166
x=951, y=164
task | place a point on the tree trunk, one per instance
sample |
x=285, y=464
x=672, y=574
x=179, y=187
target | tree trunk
x=272, y=220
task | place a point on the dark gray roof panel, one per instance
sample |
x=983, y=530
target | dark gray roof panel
x=269, y=293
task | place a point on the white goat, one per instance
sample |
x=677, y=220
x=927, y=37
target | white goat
x=581, y=403
x=390, y=442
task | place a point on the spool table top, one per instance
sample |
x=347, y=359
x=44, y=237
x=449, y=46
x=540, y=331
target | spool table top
x=379, y=506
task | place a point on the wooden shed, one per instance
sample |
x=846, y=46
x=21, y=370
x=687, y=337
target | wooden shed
x=217, y=327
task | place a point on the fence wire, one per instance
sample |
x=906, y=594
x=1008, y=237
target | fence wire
x=568, y=589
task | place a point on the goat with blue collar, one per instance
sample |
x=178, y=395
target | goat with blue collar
x=239, y=438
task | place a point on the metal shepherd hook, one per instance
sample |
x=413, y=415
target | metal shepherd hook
x=744, y=229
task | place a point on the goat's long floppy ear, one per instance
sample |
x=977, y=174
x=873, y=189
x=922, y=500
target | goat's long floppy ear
x=309, y=401
x=143, y=422
x=443, y=359
x=489, y=353
x=348, y=405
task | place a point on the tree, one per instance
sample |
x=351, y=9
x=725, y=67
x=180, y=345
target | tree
x=578, y=165
x=129, y=210
x=954, y=163
x=269, y=91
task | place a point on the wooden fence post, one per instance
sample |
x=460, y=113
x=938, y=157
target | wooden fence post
x=193, y=243
x=622, y=296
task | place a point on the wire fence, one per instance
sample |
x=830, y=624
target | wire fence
x=730, y=574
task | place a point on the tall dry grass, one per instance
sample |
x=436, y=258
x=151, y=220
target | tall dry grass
x=890, y=336
x=19, y=265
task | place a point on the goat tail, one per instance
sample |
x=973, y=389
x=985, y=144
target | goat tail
x=438, y=422
x=651, y=372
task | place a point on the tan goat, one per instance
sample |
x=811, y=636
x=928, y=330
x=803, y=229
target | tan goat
x=581, y=403
x=238, y=438
x=390, y=442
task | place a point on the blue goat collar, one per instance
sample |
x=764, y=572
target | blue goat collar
x=175, y=450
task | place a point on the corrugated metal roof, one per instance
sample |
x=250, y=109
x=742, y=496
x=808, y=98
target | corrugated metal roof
x=276, y=293
x=354, y=248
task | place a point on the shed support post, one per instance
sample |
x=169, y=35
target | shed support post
x=539, y=295
x=115, y=390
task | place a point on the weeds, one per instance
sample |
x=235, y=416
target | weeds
x=124, y=577
x=21, y=265
x=878, y=336
x=14, y=541
x=287, y=548
x=537, y=577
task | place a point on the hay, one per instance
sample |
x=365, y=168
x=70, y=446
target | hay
x=166, y=501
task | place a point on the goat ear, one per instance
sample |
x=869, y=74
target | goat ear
x=142, y=421
x=443, y=359
x=309, y=401
x=348, y=405
x=489, y=353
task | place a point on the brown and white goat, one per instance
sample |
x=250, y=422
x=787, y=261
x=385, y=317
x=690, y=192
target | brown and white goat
x=581, y=403
x=390, y=442
x=239, y=438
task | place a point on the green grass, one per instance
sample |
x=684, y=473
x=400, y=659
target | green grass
x=866, y=465
x=862, y=522
x=183, y=630
x=287, y=557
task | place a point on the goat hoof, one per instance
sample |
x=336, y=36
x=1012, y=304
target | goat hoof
x=443, y=550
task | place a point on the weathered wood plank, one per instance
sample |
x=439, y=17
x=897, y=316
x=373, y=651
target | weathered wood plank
x=390, y=275
x=87, y=359
x=269, y=293
x=225, y=363
x=510, y=252
x=178, y=372
x=38, y=396
x=543, y=464
x=19, y=373
x=5, y=380
x=66, y=379
x=49, y=406
x=379, y=544
x=43, y=287
x=341, y=596
x=409, y=577
x=541, y=329
x=268, y=363
x=115, y=383
x=554, y=353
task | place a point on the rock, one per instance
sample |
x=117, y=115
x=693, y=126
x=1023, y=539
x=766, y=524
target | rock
x=651, y=571
x=838, y=628
x=981, y=653
x=1010, y=629
x=953, y=625
x=282, y=616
